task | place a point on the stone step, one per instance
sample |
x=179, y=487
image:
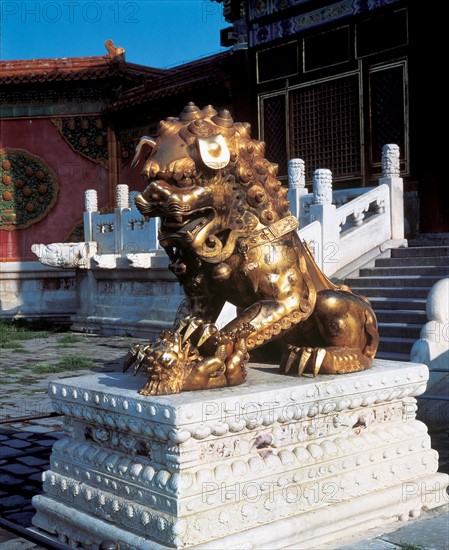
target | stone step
x=394, y=292
x=438, y=272
x=406, y=261
x=379, y=302
x=401, y=316
x=396, y=345
x=393, y=356
x=397, y=288
x=430, y=239
x=400, y=330
x=375, y=280
x=420, y=251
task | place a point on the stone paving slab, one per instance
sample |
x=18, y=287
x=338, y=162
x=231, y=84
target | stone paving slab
x=23, y=391
x=18, y=544
x=428, y=532
x=20, y=479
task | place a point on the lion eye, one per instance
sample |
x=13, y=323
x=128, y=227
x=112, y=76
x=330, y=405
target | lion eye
x=166, y=358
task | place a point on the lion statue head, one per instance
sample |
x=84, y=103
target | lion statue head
x=209, y=182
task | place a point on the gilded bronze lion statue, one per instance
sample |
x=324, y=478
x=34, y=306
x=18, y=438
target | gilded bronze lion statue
x=230, y=237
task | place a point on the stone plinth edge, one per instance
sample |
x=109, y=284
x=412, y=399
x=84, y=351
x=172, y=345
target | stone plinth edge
x=308, y=530
x=265, y=399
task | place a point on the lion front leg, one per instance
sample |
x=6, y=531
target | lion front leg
x=270, y=319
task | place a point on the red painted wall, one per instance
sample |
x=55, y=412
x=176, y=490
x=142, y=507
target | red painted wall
x=76, y=174
x=133, y=177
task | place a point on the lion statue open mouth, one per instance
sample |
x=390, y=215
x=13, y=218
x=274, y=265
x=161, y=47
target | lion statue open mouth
x=230, y=237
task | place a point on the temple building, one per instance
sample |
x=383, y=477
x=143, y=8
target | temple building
x=55, y=144
x=332, y=81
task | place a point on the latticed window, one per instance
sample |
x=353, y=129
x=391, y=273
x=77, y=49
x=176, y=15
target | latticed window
x=320, y=122
x=387, y=102
x=325, y=126
x=274, y=122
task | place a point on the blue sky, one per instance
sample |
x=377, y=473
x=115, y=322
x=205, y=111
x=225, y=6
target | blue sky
x=157, y=33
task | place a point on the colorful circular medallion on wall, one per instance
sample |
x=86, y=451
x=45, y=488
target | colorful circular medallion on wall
x=28, y=189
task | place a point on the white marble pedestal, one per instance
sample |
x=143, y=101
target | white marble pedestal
x=277, y=462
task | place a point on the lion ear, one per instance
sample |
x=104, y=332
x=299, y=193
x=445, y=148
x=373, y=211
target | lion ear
x=145, y=140
x=214, y=151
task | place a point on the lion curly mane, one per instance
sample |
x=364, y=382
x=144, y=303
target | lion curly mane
x=253, y=181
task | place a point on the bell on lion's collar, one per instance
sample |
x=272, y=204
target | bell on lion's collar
x=221, y=272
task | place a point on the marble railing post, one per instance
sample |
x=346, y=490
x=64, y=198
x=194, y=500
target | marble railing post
x=132, y=202
x=122, y=204
x=153, y=224
x=122, y=196
x=323, y=211
x=296, y=187
x=154, y=229
x=391, y=177
x=91, y=207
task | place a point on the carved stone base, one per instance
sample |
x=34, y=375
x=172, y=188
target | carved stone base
x=278, y=461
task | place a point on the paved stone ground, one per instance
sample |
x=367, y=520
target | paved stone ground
x=27, y=434
x=23, y=391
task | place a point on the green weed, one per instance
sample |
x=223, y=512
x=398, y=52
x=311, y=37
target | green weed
x=12, y=345
x=19, y=330
x=69, y=363
x=26, y=380
x=44, y=368
x=68, y=339
x=9, y=370
x=75, y=362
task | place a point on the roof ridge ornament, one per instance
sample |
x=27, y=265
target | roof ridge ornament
x=114, y=51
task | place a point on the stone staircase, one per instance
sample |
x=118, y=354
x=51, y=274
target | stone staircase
x=397, y=287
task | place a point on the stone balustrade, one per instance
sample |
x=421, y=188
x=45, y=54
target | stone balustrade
x=123, y=284
x=343, y=226
x=121, y=235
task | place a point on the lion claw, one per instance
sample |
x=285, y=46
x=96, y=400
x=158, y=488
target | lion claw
x=319, y=355
x=135, y=356
x=193, y=326
x=310, y=358
x=209, y=330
